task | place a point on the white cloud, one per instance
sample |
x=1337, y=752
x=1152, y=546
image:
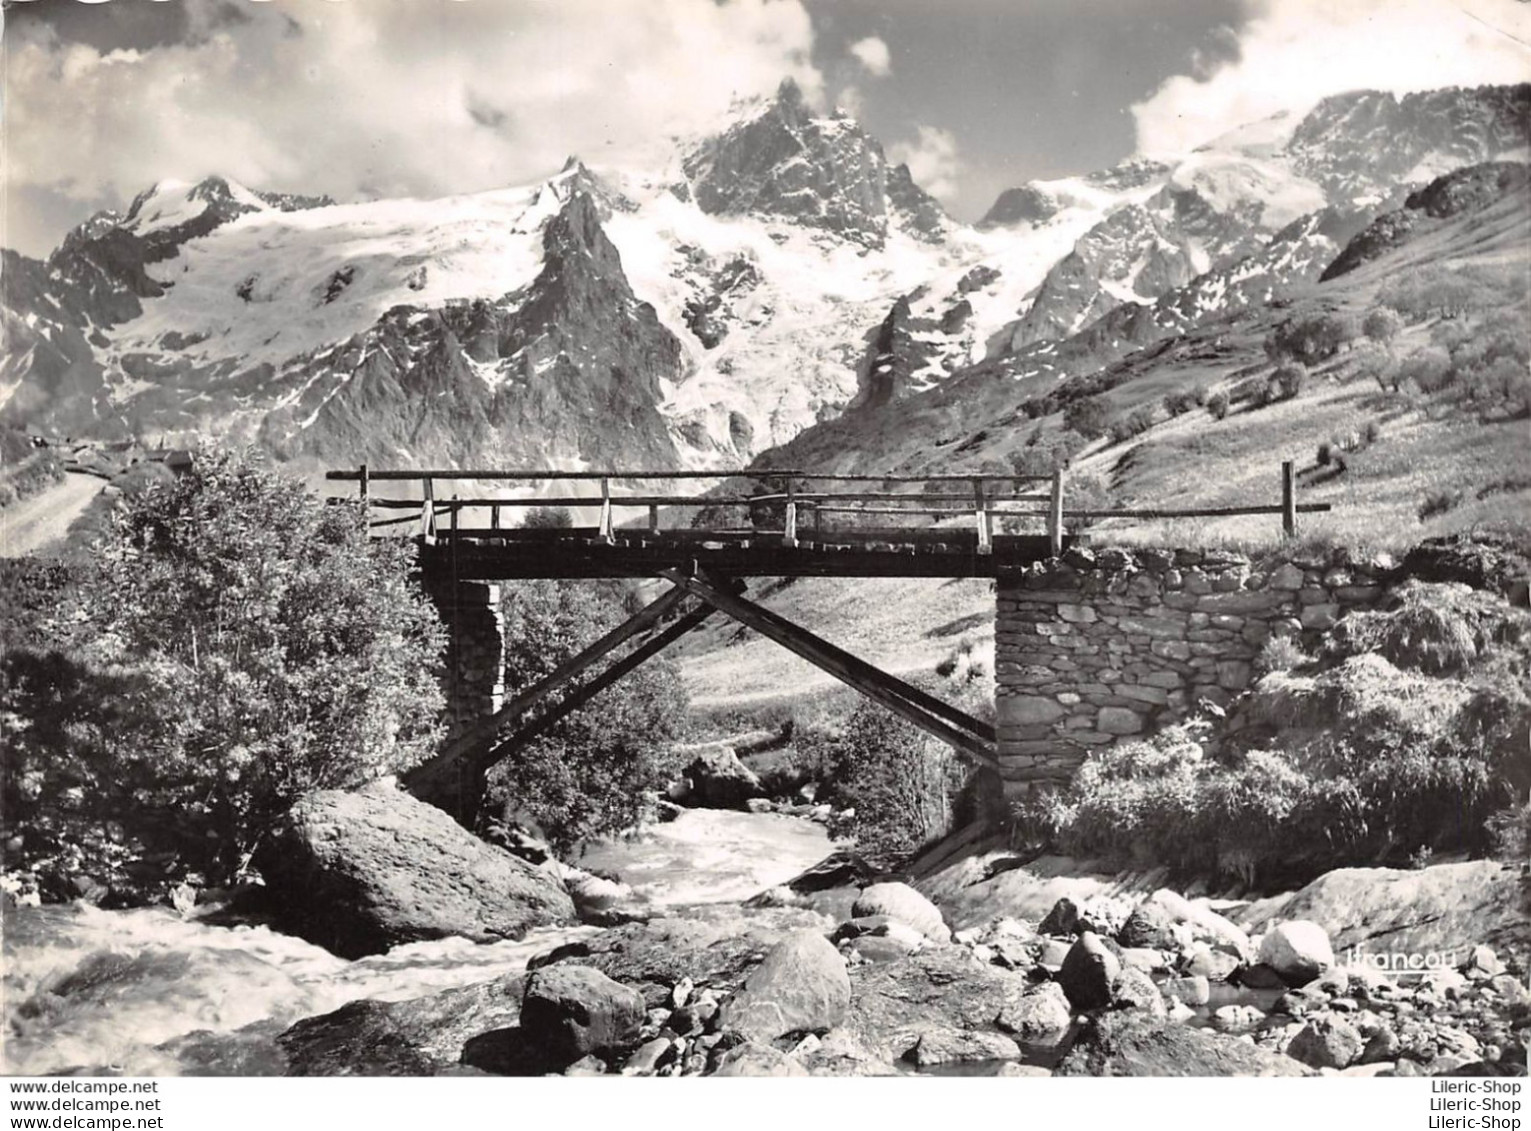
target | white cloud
x=394, y=96
x=932, y=159
x=1299, y=51
x=873, y=55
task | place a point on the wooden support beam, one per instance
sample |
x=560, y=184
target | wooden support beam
x=1289, y=498
x=789, y=522
x=361, y=481
x=970, y=738
x=481, y=734
x=651, y=647
x=1055, y=514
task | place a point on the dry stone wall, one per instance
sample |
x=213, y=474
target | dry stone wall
x=1096, y=647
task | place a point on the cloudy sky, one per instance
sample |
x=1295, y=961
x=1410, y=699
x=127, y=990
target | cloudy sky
x=360, y=98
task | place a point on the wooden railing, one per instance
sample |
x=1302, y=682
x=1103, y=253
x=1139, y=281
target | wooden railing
x=985, y=498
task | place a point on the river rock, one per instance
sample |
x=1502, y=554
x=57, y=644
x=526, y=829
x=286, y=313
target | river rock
x=1327, y=1041
x=420, y=1037
x=1193, y=989
x=720, y=781
x=1149, y=925
x=902, y=902
x=892, y=1003
x=573, y=1011
x=1298, y=950
x=960, y=1046
x=1061, y=921
x=1203, y=923
x=842, y=1053
x=1134, y=989
x=1483, y=963
x=648, y=1056
x=880, y=926
x=654, y=957
x=1214, y=965
x=753, y=1059
x=1089, y=972
x=802, y=986
x=358, y=873
x=1040, y=1016
x=1134, y=1044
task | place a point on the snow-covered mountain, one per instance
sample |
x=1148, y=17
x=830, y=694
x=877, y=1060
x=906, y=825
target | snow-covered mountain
x=766, y=278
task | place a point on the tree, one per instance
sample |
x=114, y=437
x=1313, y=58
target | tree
x=1285, y=383
x=1309, y=339
x=1382, y=325
x=246, y=644
x=591, y=773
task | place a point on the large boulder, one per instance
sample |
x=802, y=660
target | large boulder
x=1131, y=1043
x=573, y=1011
x=802, y=986
x=1298, y=950
x=1327, y=1041
x=1408, y=911
x=902, y=902
x=720, y=781
x=753, y=1059
x=421, y=1037
x=1039, y=1017
x=656, y=956
x=358, y=873
x=940, y=987
x=1089, y=973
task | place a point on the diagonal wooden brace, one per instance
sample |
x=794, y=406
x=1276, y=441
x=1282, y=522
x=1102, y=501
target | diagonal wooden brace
x=969, y=737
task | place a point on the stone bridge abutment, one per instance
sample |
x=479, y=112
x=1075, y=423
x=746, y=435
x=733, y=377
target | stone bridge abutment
x=1099, y=647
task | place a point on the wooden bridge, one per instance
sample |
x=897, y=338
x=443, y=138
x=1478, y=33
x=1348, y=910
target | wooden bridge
x=769, y=523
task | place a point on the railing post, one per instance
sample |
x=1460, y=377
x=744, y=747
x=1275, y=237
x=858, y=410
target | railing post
x=985, y=530
x=494, y=517
x=605, y=531
x=653, y=518
x=428, y=514
x=361, y=481
x=1055, y=514
x=789, y=522
x=1289, y=498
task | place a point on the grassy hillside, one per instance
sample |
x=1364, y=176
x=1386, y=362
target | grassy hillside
x=1404, y=456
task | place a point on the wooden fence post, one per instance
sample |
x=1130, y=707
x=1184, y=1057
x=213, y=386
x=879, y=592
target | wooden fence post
x=789, y=521
x=981, y=515
x=1055, y=514
x=653, y=518
x=361, y=481
x=605, y=532
x=428, y=514
x=1289, y=498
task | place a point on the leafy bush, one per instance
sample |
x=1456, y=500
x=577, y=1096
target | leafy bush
x=902, y=783
x=1429, y=370
x=1310, y=339
x=235, y=643
x=1178, y=404
x=1134, y=424
x=1217, y=405
x=1088, y=416
x=1437, y=503
x=548, y=518
x=1285, y=383
x=591, y=774
x=1382, y=325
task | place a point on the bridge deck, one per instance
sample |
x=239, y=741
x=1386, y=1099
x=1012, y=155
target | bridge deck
x=586, y=553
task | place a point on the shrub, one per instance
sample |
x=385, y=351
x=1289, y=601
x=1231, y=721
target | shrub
x=1134, y=424
x=548, y=518
x=1309, y=339
x=1282, y=653
x=1429, y=370
x=1217, y=405
x=235, y=643
x=1285, y=383
x=1178, y=404
x=1086, y=415
x=591, y=774
x=901, y=782
x=1325, y=453
x=1382, y=325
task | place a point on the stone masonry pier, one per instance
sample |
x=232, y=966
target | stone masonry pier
x=1094, y=648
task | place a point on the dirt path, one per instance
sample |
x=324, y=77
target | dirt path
x=35, y=522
